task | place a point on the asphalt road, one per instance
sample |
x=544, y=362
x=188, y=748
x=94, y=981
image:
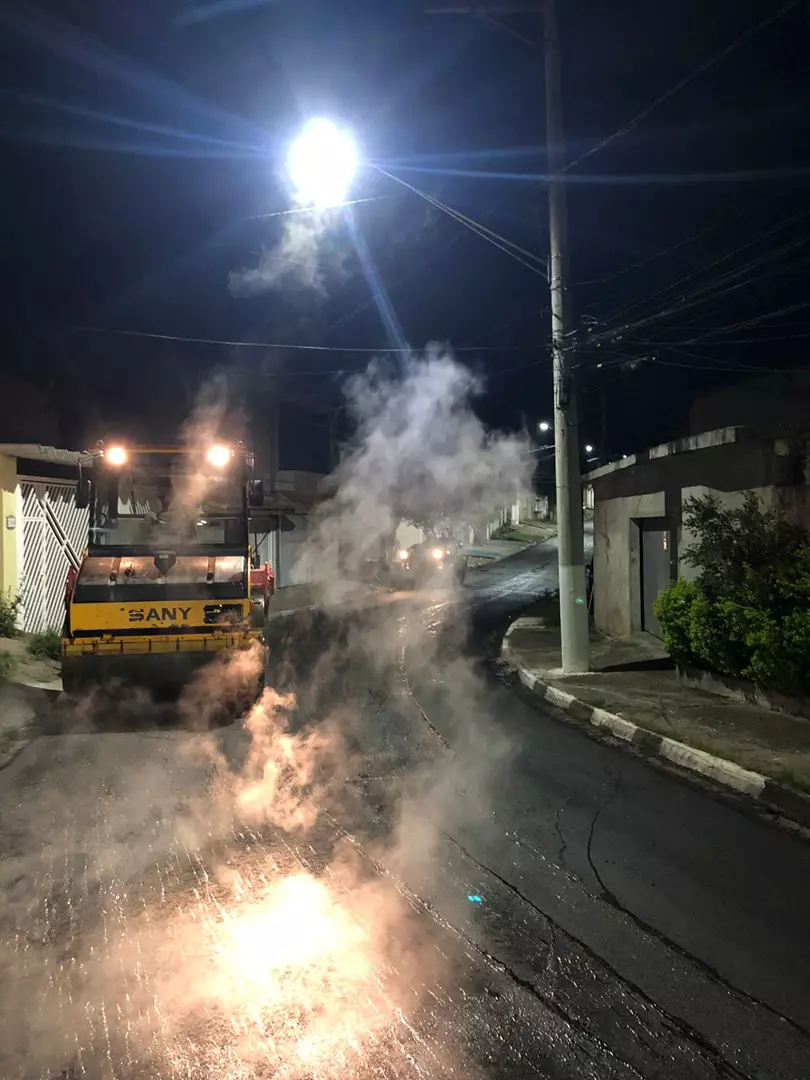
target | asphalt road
x=410, y=872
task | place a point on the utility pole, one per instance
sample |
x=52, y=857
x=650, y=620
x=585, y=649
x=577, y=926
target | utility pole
x=570, y=539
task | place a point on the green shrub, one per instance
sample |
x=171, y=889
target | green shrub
x=780, y=652
x=673, y=608
x=745, y=554
x=9, y=610
x=748, y=611
x=48, y=645
x=717, y=639
x=8, y=667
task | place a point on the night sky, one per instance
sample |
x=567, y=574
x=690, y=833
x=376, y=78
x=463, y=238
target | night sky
x=143, y=140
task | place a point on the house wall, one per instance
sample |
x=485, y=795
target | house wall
x=10, y=514
x=408, y=535
x=658, y=484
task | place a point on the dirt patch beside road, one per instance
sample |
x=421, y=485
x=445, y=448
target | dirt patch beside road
x=27, y=668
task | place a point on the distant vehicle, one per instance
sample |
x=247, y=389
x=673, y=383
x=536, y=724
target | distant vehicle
x=437, y=558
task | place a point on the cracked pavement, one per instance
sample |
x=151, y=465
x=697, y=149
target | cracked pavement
x=595, y=917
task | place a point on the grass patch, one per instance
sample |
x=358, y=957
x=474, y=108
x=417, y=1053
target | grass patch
x=8, y=667
x=9, y=610
x=788, y=776
x=515, y=533
x=45, y=646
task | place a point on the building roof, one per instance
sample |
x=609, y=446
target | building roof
x=687, y=445
x=37, y=452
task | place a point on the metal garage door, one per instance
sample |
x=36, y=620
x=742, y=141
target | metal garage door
x=54, y=535
x=655, y=561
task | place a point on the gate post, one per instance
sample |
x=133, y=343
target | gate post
x=10, y=528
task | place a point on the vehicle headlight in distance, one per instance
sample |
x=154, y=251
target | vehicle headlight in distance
x=116, y=455
x=218, y=455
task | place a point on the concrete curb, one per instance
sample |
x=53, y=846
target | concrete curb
x=728, y=773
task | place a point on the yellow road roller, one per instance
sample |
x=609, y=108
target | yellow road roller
x=166, y=581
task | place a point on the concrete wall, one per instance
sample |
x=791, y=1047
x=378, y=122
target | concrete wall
x=408, y=535
x=617, y=599
x=11, y=527
x=301, y=562
x=731, y=500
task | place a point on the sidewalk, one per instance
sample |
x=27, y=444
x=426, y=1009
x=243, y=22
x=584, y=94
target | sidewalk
x=633, y=692
x=521, y=537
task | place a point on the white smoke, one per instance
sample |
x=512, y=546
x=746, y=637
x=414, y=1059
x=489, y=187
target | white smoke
x=420, y=454
x=309, y=252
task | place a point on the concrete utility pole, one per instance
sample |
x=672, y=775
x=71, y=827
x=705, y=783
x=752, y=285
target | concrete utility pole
x=570, y=539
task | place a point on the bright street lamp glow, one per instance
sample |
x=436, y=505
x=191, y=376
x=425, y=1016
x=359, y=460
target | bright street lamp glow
x=588, y=449
x=321, y=164
x=544, y=425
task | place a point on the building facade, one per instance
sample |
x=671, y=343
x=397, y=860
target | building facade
x=639, y=535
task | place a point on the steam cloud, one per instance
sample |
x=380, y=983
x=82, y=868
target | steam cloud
x=421, y=455
x=244, y=902
x=306, y=255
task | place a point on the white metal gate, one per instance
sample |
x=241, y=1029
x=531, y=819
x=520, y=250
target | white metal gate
x=54, y=535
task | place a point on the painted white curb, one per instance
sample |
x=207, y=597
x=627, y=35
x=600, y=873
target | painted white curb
x=699, y=761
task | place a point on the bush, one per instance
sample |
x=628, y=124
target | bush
x=748, y=555
x=47, y=645
x=8, y=667
x=778, y=650
x=673, y=609
x=9, y=610
x=748, y=612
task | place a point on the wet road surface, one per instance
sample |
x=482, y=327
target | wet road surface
x=413, y=873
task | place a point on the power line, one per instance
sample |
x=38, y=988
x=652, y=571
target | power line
x=673, y=247
x=705, y=287
x=508, y=247
x=507, y=29
x=705, y=66
x=755, y=321
x=710, y=265
x=712, y=292
x=406, y=276
x=378, y=350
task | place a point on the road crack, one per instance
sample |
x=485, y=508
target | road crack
x=424, y=906
x=709, y=970
x=558, y=830
x=678, y=1024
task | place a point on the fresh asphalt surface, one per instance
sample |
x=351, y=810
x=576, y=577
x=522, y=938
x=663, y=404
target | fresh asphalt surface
x=595, y=916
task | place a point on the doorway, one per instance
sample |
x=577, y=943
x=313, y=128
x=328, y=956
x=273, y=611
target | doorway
x=655, y=538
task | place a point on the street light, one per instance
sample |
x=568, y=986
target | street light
x=544, y=425
x=321, y=164
x=588, y=448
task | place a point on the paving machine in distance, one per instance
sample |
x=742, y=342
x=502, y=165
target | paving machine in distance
x=436, y=560
x=166, y=582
